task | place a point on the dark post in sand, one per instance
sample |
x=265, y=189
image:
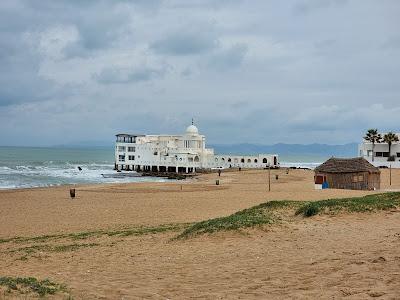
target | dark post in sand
x=72, y=193
x=269, y=178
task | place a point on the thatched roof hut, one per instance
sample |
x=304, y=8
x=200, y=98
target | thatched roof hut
x=348, y=173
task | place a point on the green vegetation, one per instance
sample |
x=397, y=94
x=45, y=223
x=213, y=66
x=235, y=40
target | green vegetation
x=50, y=248
x=242, y=219
x=272, y=211
x=135, y=231
x=146, y=230
x=360, y=204
x=31, y=284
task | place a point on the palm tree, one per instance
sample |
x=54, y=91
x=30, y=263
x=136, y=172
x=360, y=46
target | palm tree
x=374, y=137
x=390, y=138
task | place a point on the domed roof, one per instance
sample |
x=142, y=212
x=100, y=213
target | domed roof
x=192, y=130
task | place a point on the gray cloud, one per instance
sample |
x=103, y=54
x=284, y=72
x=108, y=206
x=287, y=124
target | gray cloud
x=186, y=43
x=307, y=6
x=245, y=72
x=115, y=75
x=228, y=58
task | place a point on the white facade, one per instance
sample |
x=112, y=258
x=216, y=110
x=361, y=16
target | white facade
x=179, y=153
x=379, y=154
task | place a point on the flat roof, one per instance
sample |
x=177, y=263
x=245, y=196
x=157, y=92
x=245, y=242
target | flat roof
x=128, y=134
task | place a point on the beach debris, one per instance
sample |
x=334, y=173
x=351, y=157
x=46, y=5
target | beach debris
x=72, y=193
x=217, y=182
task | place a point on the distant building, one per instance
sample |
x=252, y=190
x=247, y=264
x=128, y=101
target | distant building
x=348, y=173
x=184, y=153
x=379, y=155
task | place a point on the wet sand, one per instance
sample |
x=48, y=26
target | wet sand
x=356, y=256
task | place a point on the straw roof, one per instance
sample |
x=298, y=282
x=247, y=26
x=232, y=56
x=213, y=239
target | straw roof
x=346, y=165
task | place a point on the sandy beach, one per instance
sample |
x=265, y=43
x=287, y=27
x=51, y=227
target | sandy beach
x=356, y=256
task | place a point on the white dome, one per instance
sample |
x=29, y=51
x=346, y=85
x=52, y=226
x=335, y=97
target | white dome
x=192, y=130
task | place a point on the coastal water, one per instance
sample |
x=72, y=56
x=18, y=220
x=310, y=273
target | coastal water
x=25, y=167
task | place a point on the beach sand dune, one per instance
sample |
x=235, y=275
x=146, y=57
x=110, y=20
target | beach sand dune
x=353, y=256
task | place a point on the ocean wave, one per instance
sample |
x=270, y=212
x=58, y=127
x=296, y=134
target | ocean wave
x=27, y=176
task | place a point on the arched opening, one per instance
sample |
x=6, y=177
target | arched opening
x=196, y=159
x=229, y=159
x=255, y=161
x=275, y=161
x=242, y=160
x=249, y=160
x=265, y=161
x=235, y=160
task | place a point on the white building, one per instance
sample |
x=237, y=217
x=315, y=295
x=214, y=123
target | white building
x=379, y=154
x=184, y=153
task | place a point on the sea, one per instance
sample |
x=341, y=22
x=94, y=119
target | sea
x=27, y=167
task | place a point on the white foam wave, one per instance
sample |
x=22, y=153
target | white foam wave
x=24, y=176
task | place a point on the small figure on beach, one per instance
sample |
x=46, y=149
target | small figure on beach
x=79, y=168
x=219, y=173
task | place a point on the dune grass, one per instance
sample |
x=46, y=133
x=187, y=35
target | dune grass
x=134, y=231
x=31, y=284
x=359, y=204
x=270, y=212
x=242, y=219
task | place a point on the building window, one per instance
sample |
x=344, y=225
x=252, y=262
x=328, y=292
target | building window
x=265, y=161
x=358, y=178
x=249, y=160
x=381, y=154
x=255, y=161
x=398, y=154
x=121, y=148
x=369, y=152
x=131, y=149
x=242, y=160
x=229, y=159
x=131, y=157
x=121, y=158
x=196, y=159
x=319, y=179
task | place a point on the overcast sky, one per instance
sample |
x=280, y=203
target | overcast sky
x=263, y=72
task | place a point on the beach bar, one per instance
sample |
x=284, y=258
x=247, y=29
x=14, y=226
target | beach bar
x=347, y=173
